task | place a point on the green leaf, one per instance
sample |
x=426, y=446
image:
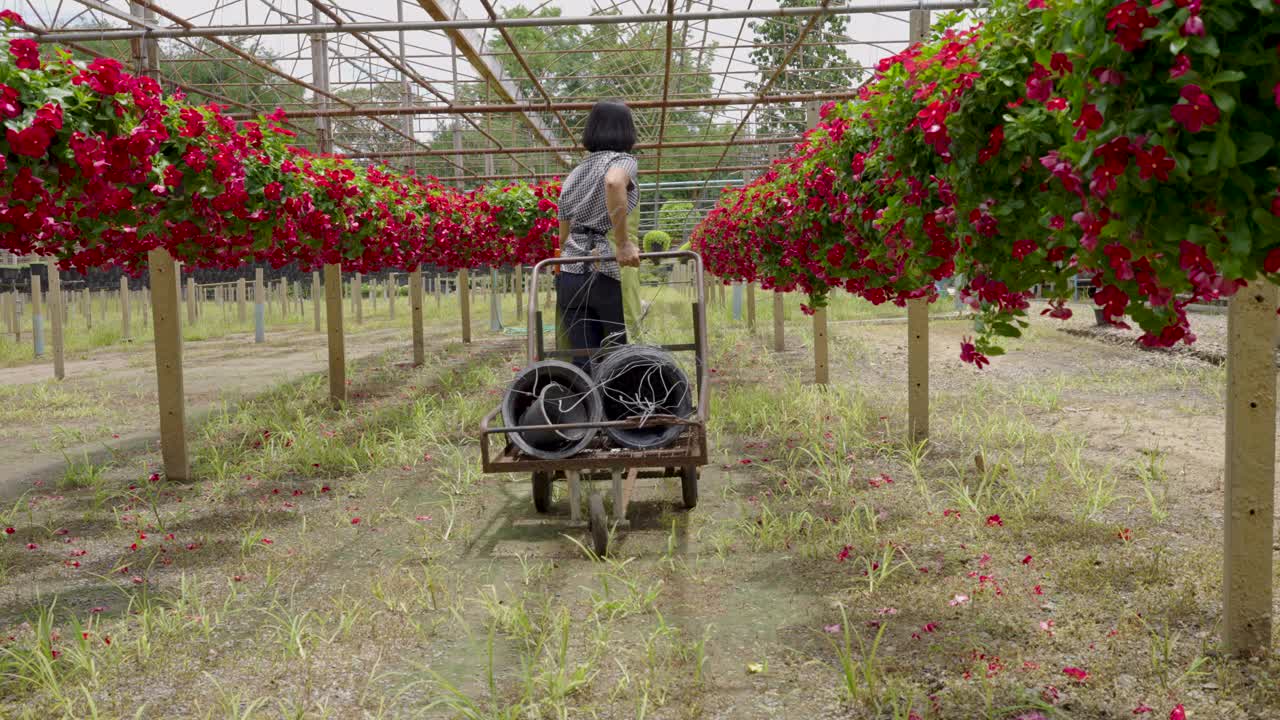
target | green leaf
x=1240, y=239
x=1201, y=235
x=1207, y=45
x=1004, y=329
x=1225, y=101
x=1227, y=76
x=1226, y=148
x=1254, y=146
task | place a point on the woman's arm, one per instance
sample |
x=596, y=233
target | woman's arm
x=564, y=234
x=616, y=181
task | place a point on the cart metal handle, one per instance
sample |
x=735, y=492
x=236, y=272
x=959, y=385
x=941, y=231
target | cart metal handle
x=670, y=254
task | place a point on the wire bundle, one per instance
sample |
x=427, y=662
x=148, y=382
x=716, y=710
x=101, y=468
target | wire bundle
x=642, y=382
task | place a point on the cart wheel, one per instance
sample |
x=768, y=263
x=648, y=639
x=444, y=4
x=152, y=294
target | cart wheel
x=599, y=524
x=542, y=492
x=689, y=486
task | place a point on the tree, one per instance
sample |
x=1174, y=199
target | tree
x=819, y=65
x=600, y=62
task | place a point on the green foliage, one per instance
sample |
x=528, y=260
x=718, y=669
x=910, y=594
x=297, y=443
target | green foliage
x=656, y=241
x=673, y=217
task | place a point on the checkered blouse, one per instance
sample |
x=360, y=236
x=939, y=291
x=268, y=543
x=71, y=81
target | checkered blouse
x=582, y=204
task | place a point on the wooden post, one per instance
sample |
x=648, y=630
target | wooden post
x=392, y=291
x=357, y=289
x=821, y=371
x=415, y=304
x=373, y=294
x=240, y=301
x=146, y=306
x=168, y=332
x=495, y=301
x=1248, y=574
x=519, y=283
x=751, y=307
x=37, y=318
x=739, y=299
x=86, y=306
x=259, y=307
x=464, y=297
x=918, y=369
x=315, y=298
x=337, y=342
x=779, y=333
x=56, y=318
x=191, y=301
x=284, y=299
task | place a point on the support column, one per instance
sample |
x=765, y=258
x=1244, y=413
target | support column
x=751, y=307
x=241, y=300
x=779, y=332
x=315, y=298
x=357, y=289
x=125, y=324
x=918, y=369
x=259, y=307
x=337, y=342
x=392, y=291
x=415, y=303
x=464, y=298
x=1248, y=574
x=191, y=301
x=519, y=283
x=57, y=314
x=738, y=300
x=168, y=332
x=821, y=370
x=37, y=317
x=495, y=301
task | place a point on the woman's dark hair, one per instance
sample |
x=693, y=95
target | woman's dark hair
x=609, y=127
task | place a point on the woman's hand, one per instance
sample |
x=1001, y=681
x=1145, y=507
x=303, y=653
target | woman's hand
x=628, y=254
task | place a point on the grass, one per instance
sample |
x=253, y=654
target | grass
x=356, y=562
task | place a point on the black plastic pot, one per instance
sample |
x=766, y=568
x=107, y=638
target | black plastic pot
x=637, y=381
x=551, y=392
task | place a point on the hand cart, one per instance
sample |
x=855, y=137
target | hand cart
x=681, y=459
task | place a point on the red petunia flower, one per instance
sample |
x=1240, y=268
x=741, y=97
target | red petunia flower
x=27, y=52
x=1154, y=163
x=1181, y=66
x=1076, y=674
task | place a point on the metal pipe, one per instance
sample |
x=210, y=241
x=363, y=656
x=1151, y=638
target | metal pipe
x=375, y=111
x=669, y=145
x=469, y=24
x=643, y=171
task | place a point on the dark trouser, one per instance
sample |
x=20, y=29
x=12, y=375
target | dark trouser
x=590, y=308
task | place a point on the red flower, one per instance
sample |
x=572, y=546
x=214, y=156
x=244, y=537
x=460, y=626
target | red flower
x=32, y=141
x=1035, y=4
x=10, y=17
x=27, y=52
x=1142, y=709
x=1198, y=112
x=1276, y=92
x=355, y=521
x=1076, y=674
x=1040, y=84
x=1023, y=248
x=995, y=521
x=32, y=546
x=994, y=142
x=844, y=553
x=1181, y=66
x=1155, y=163
x=9, y=105
x=1026, y=560
x=1061, y=64
x=1057, y=104
x=1178, y=713
x=1193, y=26
x=969, y=353
x=9, y=531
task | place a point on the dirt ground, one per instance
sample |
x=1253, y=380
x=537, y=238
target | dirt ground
x=404, y=583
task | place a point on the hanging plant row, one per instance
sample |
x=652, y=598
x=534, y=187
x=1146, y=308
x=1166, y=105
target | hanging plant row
x=99, y=167
x=1133, y=143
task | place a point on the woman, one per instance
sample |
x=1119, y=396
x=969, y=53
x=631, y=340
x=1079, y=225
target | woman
x=594, y=202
